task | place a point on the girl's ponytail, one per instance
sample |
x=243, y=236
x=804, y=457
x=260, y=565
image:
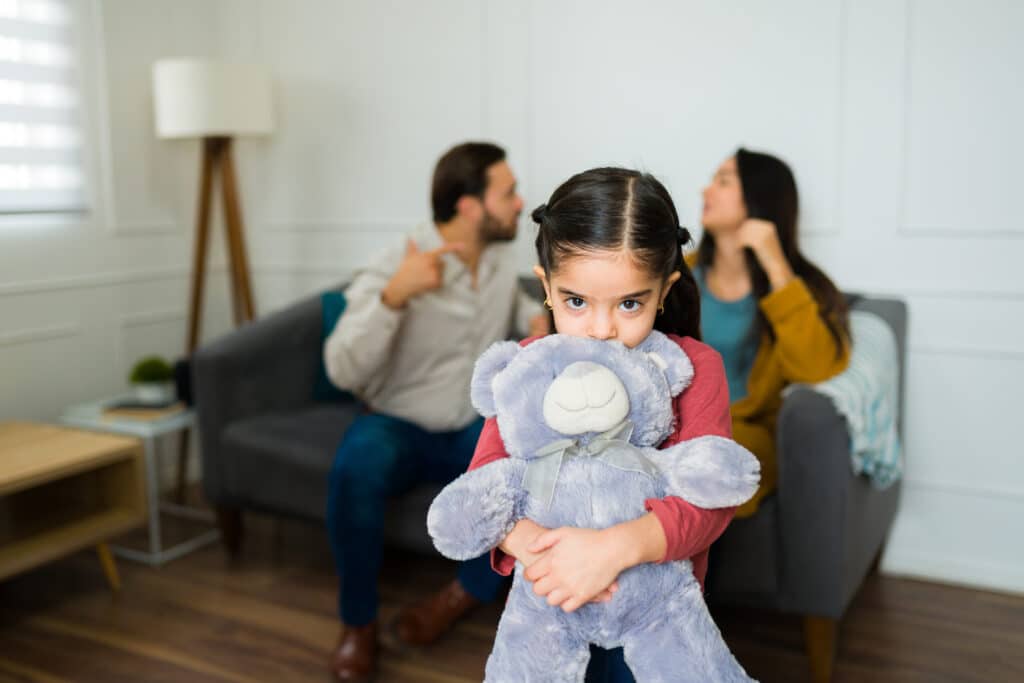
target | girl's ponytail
x=682, y=305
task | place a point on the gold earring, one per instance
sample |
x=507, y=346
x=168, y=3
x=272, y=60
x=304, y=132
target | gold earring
x=547, y=303
x=661, y=308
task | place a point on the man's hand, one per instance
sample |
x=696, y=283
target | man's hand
x=419, y=272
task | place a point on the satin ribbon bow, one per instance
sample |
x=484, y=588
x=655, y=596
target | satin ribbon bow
x=611, y=447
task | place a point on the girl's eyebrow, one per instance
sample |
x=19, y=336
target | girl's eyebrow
x=634, y=295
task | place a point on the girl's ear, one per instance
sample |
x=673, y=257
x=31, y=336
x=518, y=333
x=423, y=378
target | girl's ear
x=671, y=359
x=539, y=272
x=667, y=287
x=488, y=366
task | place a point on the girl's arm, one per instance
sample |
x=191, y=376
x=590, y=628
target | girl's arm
x=702, y=410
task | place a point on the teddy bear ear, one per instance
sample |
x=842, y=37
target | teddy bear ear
x=670, y=359
x=490, y=363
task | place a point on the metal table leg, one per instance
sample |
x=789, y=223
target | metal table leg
x=157, y=554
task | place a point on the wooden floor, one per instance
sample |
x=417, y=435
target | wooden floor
x=271, y=617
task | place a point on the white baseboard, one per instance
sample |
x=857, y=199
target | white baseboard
x=959, y=572
x=963, y=537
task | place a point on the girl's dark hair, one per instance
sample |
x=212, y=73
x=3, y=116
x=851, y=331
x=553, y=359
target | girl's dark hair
x=769, y=192
x=607, y=209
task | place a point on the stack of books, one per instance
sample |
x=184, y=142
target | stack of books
x=136, y=410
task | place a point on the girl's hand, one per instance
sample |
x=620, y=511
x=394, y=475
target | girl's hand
x=576, y=566
x=763, y=238
x=523, y=535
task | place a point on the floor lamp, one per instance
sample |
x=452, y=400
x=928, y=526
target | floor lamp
x=214, y=102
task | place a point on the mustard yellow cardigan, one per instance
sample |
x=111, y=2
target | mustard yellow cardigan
x=803, y=351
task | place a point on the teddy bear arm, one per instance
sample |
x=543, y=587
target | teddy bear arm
x=476, y=511
x=709, y=472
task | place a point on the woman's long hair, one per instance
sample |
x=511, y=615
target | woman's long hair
x=769, y=191
x=606, y=209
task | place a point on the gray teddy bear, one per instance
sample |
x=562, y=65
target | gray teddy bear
x=581, y=420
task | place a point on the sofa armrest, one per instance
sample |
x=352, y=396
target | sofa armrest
x=832, y=523
x=266, y=366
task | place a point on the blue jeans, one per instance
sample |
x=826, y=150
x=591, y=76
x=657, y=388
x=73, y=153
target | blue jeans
x=380, y=457
x=608, y=666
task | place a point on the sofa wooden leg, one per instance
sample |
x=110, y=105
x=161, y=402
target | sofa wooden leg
x=820, y=641
x=231, y=529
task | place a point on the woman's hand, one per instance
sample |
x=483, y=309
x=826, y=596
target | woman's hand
x=763, y=238
x=577, y=566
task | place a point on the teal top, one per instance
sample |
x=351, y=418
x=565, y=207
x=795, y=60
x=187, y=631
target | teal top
x=726, y=327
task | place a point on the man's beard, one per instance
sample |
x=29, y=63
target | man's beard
x=492, y=230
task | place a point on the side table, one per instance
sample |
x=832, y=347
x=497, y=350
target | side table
x=91, y=416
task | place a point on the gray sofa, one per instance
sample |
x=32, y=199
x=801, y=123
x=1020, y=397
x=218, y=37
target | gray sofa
x=809, y=546
x=267, y=446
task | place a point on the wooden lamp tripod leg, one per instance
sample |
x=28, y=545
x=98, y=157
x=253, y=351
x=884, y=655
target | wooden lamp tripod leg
x=212, y=148
x=240, y=283
x=211, y=152
x=216, y=156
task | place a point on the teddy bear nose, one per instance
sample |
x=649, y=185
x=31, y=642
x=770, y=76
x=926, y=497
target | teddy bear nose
x=583, y=385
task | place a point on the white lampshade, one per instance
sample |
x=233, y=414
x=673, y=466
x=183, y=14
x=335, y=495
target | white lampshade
x=205, y=98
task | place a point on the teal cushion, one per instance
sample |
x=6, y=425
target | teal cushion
x=332, y=305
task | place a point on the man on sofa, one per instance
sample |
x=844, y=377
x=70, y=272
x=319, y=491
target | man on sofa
x=415, y=321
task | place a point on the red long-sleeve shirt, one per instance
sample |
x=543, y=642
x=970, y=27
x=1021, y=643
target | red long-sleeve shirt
x=701, y=410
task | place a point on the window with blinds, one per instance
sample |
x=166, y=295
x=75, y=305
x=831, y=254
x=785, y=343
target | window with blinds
x=41, y=165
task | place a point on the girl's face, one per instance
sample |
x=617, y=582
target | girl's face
x=724, y=208
x=604, y=295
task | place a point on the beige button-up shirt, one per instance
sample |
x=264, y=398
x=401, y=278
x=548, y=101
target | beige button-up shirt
x=416, y=363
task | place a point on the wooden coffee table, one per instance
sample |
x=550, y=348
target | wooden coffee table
x=64, y=489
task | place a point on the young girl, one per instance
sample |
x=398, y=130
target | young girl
x=774, y=316
x=610, y=251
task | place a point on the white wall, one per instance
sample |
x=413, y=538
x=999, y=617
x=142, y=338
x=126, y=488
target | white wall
x=901, y=120
x=83, y=297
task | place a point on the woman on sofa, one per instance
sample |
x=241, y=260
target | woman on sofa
x=774, y=316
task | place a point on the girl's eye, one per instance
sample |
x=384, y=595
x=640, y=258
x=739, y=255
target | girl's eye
x=575, y=303
x=630, y=305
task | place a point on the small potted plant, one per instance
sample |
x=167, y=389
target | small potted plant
x=153, y=378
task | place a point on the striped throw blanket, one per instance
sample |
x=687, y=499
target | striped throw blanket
x=867, y=395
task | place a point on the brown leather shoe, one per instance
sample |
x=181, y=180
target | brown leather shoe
x=355, y=658
x=428, y=620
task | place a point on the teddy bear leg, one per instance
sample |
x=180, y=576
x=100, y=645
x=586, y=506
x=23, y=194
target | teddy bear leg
x=534, y=647
x=683, y=645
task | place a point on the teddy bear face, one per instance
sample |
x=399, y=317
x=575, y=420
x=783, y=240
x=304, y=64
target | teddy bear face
x=562, y=386
x=585, y=397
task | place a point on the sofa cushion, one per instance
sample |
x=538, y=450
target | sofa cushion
x=332, y=305
x=280, y=461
